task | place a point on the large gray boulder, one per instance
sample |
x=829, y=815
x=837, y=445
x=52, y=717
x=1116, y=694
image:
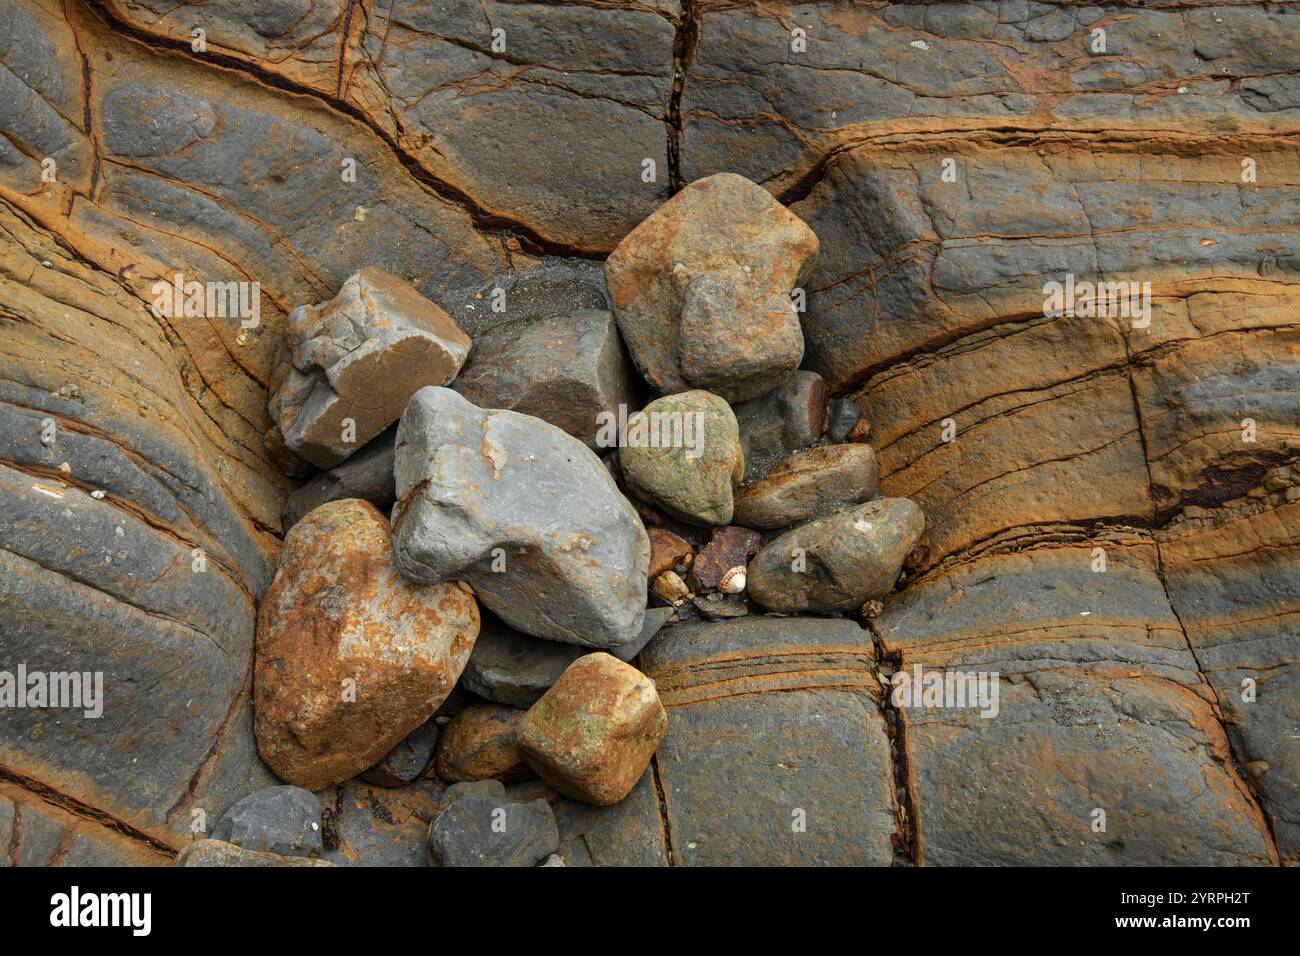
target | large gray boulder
x=524, y=513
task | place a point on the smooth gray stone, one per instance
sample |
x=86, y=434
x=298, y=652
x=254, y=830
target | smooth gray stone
x=407, y=760
x=841, y=416
x=512, y=668
x=568, y=370
x=285, y=821
x=367, y=475
x=479, y=488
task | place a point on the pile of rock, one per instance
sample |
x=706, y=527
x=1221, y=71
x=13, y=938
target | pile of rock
x=374, y=657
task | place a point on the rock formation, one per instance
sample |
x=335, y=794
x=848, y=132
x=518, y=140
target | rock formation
x=1110, y=496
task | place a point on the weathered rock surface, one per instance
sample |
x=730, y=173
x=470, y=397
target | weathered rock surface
x=219, y=853
x=367, y=475
x=702, y=289
x=517, y=669
x=479, y=487
x=281, y=820
x=812, y=482
x=720, y=563
x=921, y=309
x=773, y=721
x=545, y=289
x=591, y=736
x=380, y=826
x=351, y=657
x=479, y=744
x=571, y=371
x=786, y=419
x=409, y=759
x=479, y=826
x=352, y=363
x=838, y=562
x=34, y=832
x=683, y=454
x=1098, y=665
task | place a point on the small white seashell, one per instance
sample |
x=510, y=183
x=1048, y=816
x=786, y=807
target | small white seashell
x=733, y=582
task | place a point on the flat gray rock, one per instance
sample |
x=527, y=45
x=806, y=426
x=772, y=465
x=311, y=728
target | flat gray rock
x=512, y=668
x=281, y=820
x=525, y=513
x=207, y=853
x=479, y=826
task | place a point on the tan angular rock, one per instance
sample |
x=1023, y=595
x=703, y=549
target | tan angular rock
x=351, y=657
x=359, y=358
x=670, y=587
x=479, y=744
x=701, y=289
x=592, y=735
x=667, y=550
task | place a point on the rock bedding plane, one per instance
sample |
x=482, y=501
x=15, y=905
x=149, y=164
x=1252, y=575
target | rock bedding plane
x=330, y=345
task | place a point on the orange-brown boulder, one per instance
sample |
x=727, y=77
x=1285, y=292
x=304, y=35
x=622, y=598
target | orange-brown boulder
x=351, y=657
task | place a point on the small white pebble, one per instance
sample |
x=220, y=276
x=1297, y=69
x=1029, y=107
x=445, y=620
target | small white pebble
x=97, y=494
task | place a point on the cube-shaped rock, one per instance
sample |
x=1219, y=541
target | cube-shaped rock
x=352, y=363
x=592, y=735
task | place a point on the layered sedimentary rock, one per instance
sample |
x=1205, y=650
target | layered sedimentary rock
x=927, y=308
x=1104, y=745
